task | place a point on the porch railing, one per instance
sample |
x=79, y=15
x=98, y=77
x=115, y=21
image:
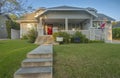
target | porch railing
x=99, y=34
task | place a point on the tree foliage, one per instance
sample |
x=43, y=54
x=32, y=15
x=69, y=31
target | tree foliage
x=14, y=6
x=116, y=33
x=11, y=25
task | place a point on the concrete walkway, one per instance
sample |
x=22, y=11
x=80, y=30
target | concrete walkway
x=4, y=39
x=38, y=64
x=116, y=41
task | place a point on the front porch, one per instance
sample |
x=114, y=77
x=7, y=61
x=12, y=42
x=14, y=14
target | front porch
x=50, y=26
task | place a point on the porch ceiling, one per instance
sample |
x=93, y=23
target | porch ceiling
x=63, y=20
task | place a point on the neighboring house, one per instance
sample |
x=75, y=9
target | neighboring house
x=3, y=30
x=62, y=18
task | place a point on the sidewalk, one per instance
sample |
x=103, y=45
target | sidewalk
x=116, y=41
x=5, y=39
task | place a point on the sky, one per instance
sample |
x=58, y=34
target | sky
x=107, y=7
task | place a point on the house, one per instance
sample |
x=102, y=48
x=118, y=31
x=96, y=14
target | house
x=3, y=30
x=63, y=18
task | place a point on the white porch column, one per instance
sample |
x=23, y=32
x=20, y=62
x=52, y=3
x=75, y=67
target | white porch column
x=91, y=22
x=108, y=33
x=21, y=31
x=40, y=28
x=66, y=24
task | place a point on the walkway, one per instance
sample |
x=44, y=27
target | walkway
x=116, y=41
x=38, y=64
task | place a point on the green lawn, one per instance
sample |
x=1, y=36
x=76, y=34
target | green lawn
x=12, y=52
x=95, y=60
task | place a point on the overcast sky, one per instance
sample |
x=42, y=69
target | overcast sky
x=108, y=7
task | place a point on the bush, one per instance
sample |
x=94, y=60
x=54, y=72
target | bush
x=8, y=28
x=96, y=41
x=116, y=33
x=79, y=35
x=56, y=34
x=32, y=35
x=71, y=38
x=24, y=37
x=66, y=36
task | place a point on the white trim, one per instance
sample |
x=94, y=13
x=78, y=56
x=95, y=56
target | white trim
x=65, y=10
x=20, y=21
x=66, y=24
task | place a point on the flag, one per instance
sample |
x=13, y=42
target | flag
x=102, y=26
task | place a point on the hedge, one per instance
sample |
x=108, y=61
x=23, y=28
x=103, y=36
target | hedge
x=116, y=33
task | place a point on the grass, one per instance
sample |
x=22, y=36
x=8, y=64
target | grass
x=12, y=52
x=95, y=60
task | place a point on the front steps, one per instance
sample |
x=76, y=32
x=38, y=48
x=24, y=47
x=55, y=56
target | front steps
x=38, y=64
x=34, y=72
x=46, y=39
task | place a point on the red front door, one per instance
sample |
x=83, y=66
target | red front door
x=49, y=30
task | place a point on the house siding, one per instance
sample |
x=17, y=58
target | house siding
x=69, y=15
x=24, y=28
x=3, y=30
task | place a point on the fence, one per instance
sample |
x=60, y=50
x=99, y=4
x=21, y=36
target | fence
x=15, y=34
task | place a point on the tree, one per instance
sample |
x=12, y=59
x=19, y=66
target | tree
x=14, y=6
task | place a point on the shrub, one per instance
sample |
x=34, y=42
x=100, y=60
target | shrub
x=79, y=35
x=96, y=41
x=24, y=37
x=32, y=35
x=116, y=33
x=66, y=36
x=15, y=25
x=56, y=34
x=8, y=28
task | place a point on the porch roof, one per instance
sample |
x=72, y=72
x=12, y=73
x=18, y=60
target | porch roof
x=103, y=17
x=66, y=8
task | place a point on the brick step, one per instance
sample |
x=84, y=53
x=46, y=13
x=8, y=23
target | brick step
x=34, y=72
x=37, y=62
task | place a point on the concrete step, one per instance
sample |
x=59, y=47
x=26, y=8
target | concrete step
x=37, y=62
x=44, y=39
x=39, y=55
x=43, y=51
x=36, y=72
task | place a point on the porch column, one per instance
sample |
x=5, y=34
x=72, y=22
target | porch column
x=21, y=30
x=91, y=23
x=40, y=28
x=66, y=24
x=108, y=33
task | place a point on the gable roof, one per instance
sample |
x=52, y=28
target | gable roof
x=103, y=16
x=29, y=16
x=67, y=8
x=41, y=11
x=64, y=8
